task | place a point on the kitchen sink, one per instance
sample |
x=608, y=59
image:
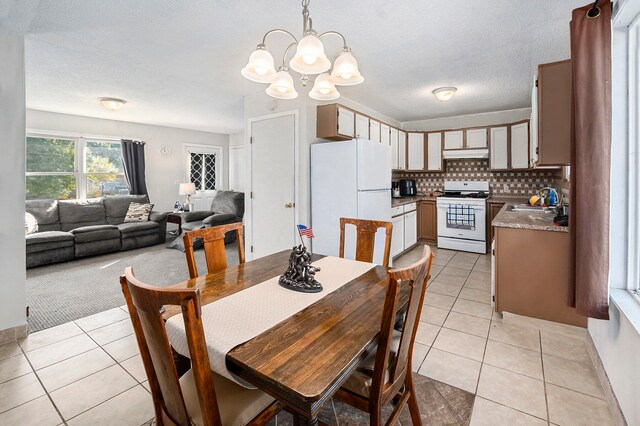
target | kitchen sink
x=531, y=209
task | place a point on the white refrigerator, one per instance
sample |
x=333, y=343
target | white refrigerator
x=349, y=179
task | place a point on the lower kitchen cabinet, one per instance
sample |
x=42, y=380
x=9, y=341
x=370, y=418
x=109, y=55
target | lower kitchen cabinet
x=428, y=221
x=532, y=275
x=397, y=235
x=410, y=229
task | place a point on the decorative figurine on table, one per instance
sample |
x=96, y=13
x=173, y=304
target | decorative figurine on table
x=300, y=276
x=177, y=207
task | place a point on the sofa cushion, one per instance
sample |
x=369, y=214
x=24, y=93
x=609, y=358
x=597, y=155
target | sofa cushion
x=78, y=213
x=116, y=206
x=138, y=228
x=48, y=246
x=30, y=224
x=87, y=234
x=138, y=212
x=228, y=202
x=48, y=237
x=45, y=212
x=221, y=219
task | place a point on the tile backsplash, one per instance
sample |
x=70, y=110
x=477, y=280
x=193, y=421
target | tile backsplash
x=514, y=183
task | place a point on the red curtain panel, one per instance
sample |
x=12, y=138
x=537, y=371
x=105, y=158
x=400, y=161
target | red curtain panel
x=591, y=159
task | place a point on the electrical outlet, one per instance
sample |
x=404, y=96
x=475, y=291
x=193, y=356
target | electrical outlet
x=506, y=189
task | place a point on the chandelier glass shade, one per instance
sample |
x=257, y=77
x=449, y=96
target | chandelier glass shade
x=309, y=59
x=324, y=89
x=282, y=87
x=261, y=67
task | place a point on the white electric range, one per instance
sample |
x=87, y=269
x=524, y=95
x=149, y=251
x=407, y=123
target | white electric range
x=462, y=212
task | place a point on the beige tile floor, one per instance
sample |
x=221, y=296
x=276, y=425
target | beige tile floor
x=89, y=372
x=524, y=372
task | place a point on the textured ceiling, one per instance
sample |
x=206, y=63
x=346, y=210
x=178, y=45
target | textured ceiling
x=178, y=62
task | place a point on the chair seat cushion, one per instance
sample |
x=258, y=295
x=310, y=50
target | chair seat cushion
x=88, y=234
x=48, y=237
x=238, y=405
x=130, y=229
x=361, y=380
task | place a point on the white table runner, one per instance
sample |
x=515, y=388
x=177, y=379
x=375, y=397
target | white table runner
x=240, y=317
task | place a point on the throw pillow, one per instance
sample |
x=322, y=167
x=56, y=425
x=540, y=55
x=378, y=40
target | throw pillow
x=30, y=224
x=138, y=212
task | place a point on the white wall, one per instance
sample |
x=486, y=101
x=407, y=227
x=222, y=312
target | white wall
x=236, y=139
x=471, y=120
x=12, y=190
x=163, y=173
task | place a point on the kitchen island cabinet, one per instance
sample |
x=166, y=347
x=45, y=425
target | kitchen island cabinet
x=531, y=273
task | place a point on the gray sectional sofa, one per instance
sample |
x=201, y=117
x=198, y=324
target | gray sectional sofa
x=71, y=229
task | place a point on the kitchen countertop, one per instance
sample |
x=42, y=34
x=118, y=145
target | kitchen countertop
x=395, y=202
x=526, y=220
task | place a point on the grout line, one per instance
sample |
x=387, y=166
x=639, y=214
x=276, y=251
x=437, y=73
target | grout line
x=544, y=379
x=35, y=373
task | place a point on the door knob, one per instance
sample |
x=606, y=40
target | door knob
x=289, y=205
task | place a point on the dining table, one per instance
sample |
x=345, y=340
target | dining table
x=302, y=360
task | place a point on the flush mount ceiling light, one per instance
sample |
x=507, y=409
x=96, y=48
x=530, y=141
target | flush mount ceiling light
x=444, y=93
x=309, y=58
x=113, y=104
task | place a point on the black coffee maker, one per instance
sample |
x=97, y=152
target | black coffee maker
x=408, y=188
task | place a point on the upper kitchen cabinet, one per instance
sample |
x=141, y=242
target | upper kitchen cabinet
x=402, y=150
x=335, y=122
x=454, y=139
x=499, y=148
x=362, y=126
x=394, y=149
x=554, y=114
x=374, y=130
x=385, y=134
x=434, y=152
x=415, y=151
x=519, y=145
x=476, y=138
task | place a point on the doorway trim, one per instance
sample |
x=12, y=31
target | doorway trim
x=249, y=183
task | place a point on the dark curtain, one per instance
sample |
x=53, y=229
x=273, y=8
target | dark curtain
x=590, y=160
x=133, y=158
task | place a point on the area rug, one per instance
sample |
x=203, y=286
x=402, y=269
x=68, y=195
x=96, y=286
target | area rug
x=72, y=290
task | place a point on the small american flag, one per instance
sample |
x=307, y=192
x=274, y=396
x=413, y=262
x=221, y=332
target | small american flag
x=305, y=232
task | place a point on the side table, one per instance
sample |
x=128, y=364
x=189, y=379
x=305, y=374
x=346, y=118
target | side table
x=177, y=219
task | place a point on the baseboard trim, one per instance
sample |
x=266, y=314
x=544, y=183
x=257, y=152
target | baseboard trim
x=609, y=395
x=13, y=334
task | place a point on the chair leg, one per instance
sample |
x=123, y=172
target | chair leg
x=414, y=410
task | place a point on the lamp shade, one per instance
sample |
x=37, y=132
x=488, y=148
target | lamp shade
x=345, y=70
x=310, y=57
x=187, y=189
x=282, y=87
x=260, y=67
x=324, y=89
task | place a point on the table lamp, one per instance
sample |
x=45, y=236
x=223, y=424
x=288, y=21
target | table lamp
x=187, y=189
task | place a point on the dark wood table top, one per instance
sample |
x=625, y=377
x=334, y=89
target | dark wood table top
x=304, y=359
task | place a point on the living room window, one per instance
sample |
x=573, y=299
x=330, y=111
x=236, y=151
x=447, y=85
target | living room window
x=73, y=167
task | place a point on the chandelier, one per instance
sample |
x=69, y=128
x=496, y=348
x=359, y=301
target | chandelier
x=309, y=59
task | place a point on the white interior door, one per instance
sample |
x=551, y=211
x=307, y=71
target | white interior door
x=273, y=189
x=237, y=168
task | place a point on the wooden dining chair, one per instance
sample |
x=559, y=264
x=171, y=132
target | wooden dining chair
x=200, y=397
x=386, y=374
x=214, y=249
x=366, y=238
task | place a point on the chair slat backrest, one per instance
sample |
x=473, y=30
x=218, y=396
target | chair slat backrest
x=416, y=277
x=214, y=250
x=145, y=303
x=366, y=238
